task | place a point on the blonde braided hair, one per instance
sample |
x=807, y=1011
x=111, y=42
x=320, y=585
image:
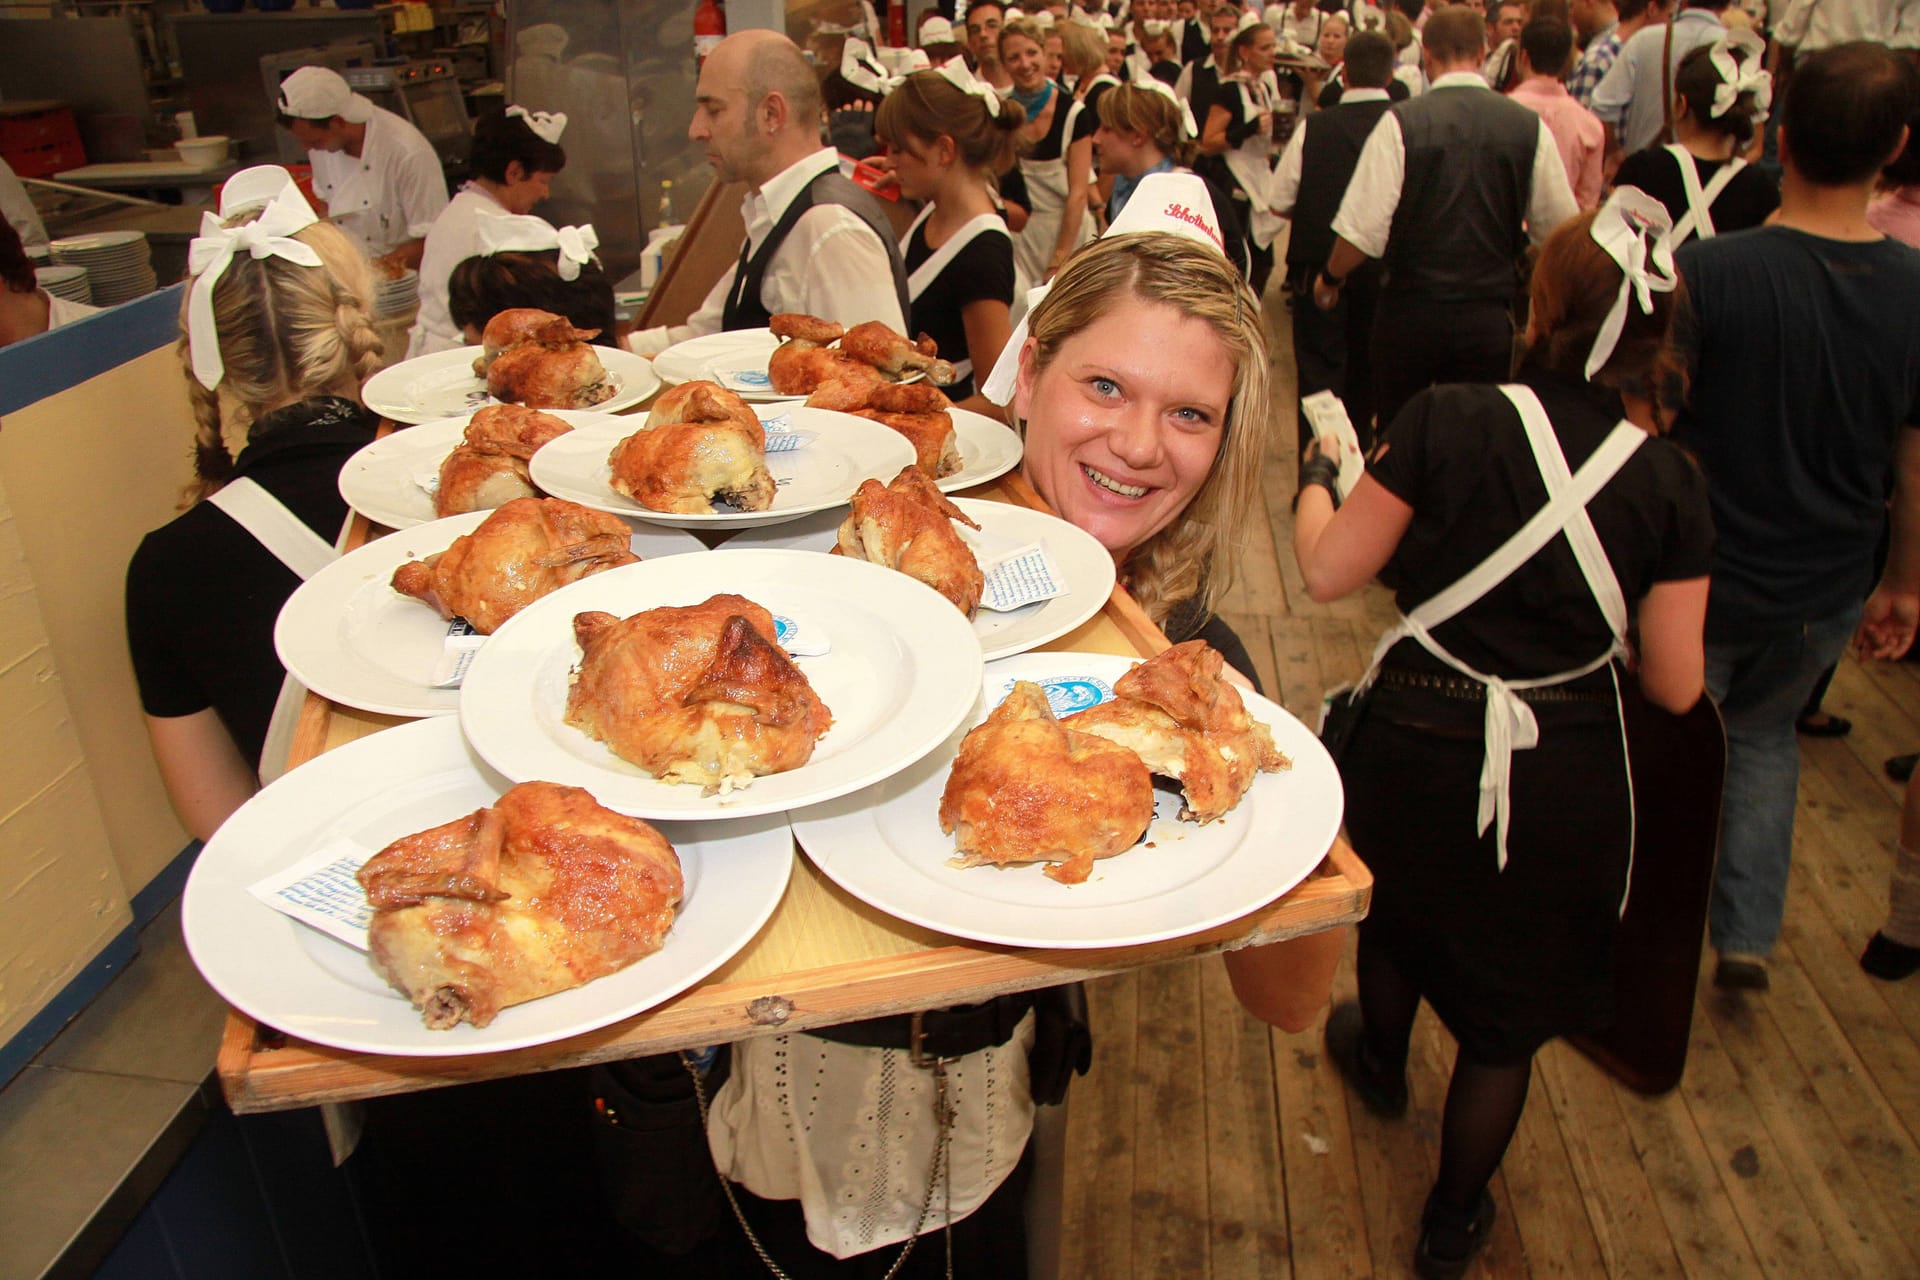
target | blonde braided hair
x=285, y=330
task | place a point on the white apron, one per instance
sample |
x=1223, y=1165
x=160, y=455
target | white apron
x=929, y=271
x=1047, y=196
x=1698, y=220
x=1251, y=164
x=1510, y=723
x=305, y=552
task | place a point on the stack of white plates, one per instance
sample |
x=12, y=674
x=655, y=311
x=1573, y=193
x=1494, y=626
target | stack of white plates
x=65, y=282
x=401, y=293
x=119, y=267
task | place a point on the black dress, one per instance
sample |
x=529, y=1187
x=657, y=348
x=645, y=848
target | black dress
x=1509, y=959
x=981, y=271
x=1749, y=198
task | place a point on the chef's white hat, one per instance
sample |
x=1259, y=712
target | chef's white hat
x=315, y=93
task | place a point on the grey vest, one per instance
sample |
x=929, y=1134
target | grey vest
x=1458, y=231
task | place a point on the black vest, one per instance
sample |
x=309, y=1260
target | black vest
x=1194, y=43
x=1458, y=231
x=1327, y=160
x=744, y=310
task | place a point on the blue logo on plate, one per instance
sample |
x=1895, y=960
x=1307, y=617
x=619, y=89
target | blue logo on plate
x=1068, y=694
x=756, y=378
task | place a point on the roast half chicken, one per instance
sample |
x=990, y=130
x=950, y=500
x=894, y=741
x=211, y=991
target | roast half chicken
x=1184, y=721
x=920, y=413
x=543, y=892
x=908, y=525
x=526, y=549
x=539, y=359
x=698, y=694
x=701, y=443
x=489, y=466
x=1026, y=788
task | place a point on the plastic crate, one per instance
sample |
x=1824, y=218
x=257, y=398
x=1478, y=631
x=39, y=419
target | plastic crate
x=42, y=142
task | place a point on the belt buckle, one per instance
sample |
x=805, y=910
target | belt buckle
x=916, y=1042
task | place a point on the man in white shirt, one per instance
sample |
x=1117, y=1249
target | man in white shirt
x=1633, y=97
x=378, y=175
x=1449, y=188
x=816, y=243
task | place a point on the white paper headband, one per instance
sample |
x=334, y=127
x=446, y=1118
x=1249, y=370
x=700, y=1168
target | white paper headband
x=1636, y=231
x=1738, y=77
x=1174, y=203
x=859, y=68
x=1189, y=129
x=524, y=233
x=546, y=125
x=268, y=236
x=962, y=78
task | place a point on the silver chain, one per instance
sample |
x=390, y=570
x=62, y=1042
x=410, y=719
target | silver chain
x=943, y=1115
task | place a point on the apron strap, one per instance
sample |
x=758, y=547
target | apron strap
x=305, y=552
x=1698, y=219
x=1547, y=455
x=929, y=271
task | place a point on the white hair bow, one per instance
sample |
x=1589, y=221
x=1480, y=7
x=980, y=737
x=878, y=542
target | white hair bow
x=1248, y=20
x=1737, y=77
x=546, y=125
x=1172, y=203
x=962, y=78
x=1636, y=232
x=1188, y=127
x=859, y=68
x=268, y=236
x=524, y=233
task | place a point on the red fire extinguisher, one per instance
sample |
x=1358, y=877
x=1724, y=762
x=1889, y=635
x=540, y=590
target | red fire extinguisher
x=897, y=23
x=709, y=28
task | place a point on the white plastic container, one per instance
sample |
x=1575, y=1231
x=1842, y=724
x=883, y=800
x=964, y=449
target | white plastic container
x=203, y=153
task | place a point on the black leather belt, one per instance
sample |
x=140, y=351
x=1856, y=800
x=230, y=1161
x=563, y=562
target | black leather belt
x=937, y=1033
x=1469, y=690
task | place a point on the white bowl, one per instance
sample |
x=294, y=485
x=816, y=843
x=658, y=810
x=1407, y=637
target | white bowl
x=203, y=153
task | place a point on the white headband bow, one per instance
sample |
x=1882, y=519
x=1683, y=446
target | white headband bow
x=962, y=78
x=1174, y=203
x=1636, y=231
x=1189, y=129
x=524, y=233
x=268, y=236
x=1248, y=19
x=859, y=68
x=546, y=125
x=1737, y=78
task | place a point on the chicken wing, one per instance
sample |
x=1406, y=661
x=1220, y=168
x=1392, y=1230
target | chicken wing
x=526, y=549
x=1184, y=721
x=812, y=329
x=908, y=525
x=894, y=355
x=1025, y=788
x=550, y=377
x=685, y=466
x=698, y=694
x=488, y=468
x=832, y=380
x=543, y=892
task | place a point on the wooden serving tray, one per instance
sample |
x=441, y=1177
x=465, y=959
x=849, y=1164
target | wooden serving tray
x=823, y=958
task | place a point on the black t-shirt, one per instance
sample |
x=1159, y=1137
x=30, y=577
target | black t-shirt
x=1805, y=362
x=1188, y=622
x=1748, y=200
x=1085, y=122
x=203, y=595
x=982, y=270
x=1459, y=457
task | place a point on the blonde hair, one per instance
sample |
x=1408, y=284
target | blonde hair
x=284, y=330
x=1127, y=109
x=1083, y=48
x=1198, y=553
x=1026, y=29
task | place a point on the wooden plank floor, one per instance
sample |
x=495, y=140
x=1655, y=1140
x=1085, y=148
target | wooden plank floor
x=1204, y=1144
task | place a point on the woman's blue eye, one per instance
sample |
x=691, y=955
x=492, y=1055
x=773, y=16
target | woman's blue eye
x=1105, y=386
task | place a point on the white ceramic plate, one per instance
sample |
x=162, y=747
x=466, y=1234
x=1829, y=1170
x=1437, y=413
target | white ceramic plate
x=987, y=449
x=407, y=779
x=884, y=845
x=824, y=473
x=1083, y=562
x=444, y=384
x=346, y=634
x=899, y=677
x=381, y=481
x=736, y=359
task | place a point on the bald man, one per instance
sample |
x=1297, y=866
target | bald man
x=816, y=243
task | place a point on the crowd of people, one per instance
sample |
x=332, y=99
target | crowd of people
x=1707, y=272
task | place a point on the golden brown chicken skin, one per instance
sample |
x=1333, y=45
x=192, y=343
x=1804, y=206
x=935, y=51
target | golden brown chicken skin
x=527, y=549
x=550, y=377
x=718, y=453
x=908, y=525
x=1025, y=788
x=921, y=414
x=519, y=325
x=1185, y=721
x=488, y=468
x=697, y=694
x=542, y=892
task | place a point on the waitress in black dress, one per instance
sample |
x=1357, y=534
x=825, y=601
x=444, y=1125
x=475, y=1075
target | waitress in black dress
x=1056, y=162
x=1486, y=781
x=949, y=136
